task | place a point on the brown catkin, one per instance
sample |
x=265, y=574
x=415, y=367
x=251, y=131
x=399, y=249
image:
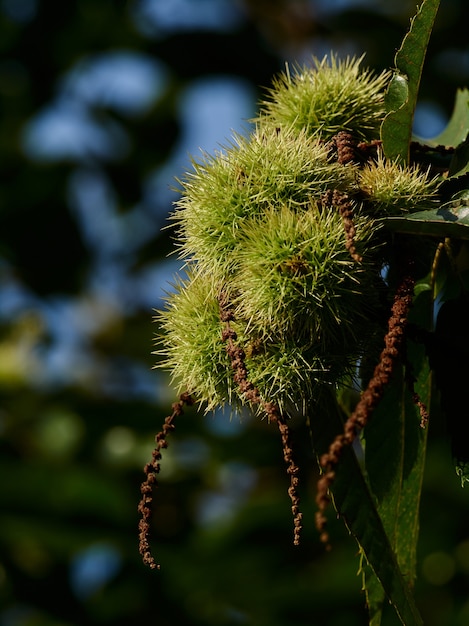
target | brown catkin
x=333, y=198
x=148, y=486
x=369, y=400
x=345, y=145
x=251, y=393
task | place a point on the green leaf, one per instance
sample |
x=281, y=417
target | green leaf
x=374, y=592
x=358, y=508
x=450, y=220
x=457, y=128
x=395, y=453
x=396, y=129
x=459, y=164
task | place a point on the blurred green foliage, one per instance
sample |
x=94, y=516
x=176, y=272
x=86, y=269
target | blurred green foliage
x=79, y=403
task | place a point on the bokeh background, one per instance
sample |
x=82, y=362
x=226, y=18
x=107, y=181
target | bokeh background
x=102, y=102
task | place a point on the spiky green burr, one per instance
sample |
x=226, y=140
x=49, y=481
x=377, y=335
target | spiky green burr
x=326, y=97
x=257, y=223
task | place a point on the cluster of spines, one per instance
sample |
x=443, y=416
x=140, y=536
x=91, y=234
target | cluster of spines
x=330, y=96
x=268, y=170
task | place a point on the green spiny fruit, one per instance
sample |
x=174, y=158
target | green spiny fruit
x=284, y=370
x=269, y=169
x=330, y=96
x=392, y=189
x=293, y=240
x=296, y=279
x=191, y=344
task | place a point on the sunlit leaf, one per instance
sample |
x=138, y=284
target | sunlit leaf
x=396, y=130
x=457, y=128
x=450, y=220
x=460, y=162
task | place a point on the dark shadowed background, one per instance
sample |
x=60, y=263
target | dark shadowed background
x=101, y=104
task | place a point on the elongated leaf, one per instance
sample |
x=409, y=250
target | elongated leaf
x=374, y=592
x=395, y=454
x=384, y=456
x=460, y=162
x=357, y=506
x=457, y=128
x=450, y=220
x=396, y=130
x=395, y=127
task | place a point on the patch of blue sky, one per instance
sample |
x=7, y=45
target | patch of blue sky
x=67, y=130
x=161, y=17
x=114, y=239
x=92, y=568
x=15, y=298
x=107, y=232
x=225, y=423
x=93, y=202
x=191, y=453
x=210, y=109
x=235, y=481
x=63, y=364
x=113, y=281
x=213, y=508
x=237, y=478
x=121, y=378
x=429, y=119
x=328, y=8
x=65, y=361
x=87, y=316
x=156, y=280
x=126, y=81
x=63, y=352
